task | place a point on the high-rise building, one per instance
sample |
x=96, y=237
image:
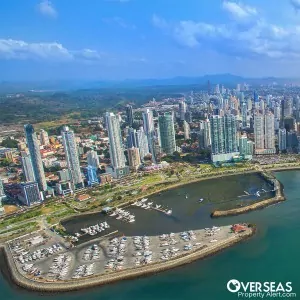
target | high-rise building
x=2, y=194
x=35, y=155
x=189, y=116
x=264, y=133
x=259, y=132
x=117, y=157
x=27, y=167
x=132, y=138
x=72, y=158
x=282, y=139
x=134, y=158
x=91, y=175
x=204, y=134
x=186, y=130
x=149, y=130
x=142, y=143
x=182, y=110
x=129, y=115
x=93, y=159
x=269, y=132
x=30, y=193
x=44, y=138
x=246, y=147
x=64, y=175
x=167, y=133
x=223, y=138
x=244, y=115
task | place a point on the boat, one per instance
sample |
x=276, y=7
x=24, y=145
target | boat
x=119, y=217
x=144, y=200
x=157, y=206
x=186, y=196
x=257, y=194
x=201, y=199
x=113, y=214
x=169, y=212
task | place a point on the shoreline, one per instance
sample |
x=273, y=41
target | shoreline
x=98, y=280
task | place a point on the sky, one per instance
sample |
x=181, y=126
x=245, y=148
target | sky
x=125, y=39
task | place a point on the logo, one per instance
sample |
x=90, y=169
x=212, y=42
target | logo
x=255, y=289
x=233, y=285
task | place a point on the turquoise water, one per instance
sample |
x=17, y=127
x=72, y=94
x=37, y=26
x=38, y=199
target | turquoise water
x=271, y=255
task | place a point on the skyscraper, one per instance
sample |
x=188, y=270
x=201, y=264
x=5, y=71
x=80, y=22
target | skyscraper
x=129, y=115
x=93, y=159
x=187, y=130
x=282, y=139
x=142, y=143
x=244, y=114
x=116, y=150
x=134, y=158
x=72, y=158
x=91, y=175
x=149, y=130
x=44, y=138
x=259, y=134
x=269, y=132
x=27, y=167
x=223, y=137
x=167, y=133
x=35, y=155
x=245, y=147
x=132, y=138
x=182, y=110
x=204, y=134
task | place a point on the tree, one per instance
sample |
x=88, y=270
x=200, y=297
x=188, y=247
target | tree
x=9, y=143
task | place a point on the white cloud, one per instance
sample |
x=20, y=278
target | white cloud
x=46, y=8
x=18, y=49
x=256, y=38
x=239, y=11
x=119, y=21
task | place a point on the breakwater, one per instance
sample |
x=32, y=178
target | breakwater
x=96, y=280
x=279, y=197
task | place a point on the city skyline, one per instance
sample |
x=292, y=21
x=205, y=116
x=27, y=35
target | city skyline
x=113, y=39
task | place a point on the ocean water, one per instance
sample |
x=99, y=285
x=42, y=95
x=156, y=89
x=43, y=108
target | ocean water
x=271, y=255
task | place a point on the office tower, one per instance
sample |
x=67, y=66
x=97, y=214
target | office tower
x=35, y=155
x=289, y=123
x=282, y=139
x=277, y=113
x=93, y=159
x=259, y=134
x=167, y=133
x=132, y=138
x=288, y=107
x=64, y=175
x=249, y=104
x=72, y=158
x=246, y=147
x=91, y=175
x=238, y=87
x=142, y=143
x=244, y=115
x=230, y=134
x=187, y=130
x=30, y=193
x=256, y=100
x=262, y=106
x=27, y=167
x=134, y=159
x=149, y=130
x=217, y=135
x=269, y=131
x=44, y=138
x=217, y=89
x=117, y=157
x=182, y=110
x=129, y=115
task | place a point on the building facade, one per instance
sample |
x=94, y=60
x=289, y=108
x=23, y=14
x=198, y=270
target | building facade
x=93, y=159
x=27, y=167
x=167, y=133
x=71, y=154
x=30, y=193
x=134, y=159
x=35, y=155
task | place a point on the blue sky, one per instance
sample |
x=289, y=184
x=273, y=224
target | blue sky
x=118, y=39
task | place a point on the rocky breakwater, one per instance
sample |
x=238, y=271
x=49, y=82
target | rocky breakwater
x=279, y=197
x=35, y=284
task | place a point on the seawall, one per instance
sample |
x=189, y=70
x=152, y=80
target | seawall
x=97, y=280
x=279, y=197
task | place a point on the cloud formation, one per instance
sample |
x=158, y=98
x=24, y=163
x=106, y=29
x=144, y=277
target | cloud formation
x=295, y=4
x=238, y=38
x=18, y=49
x=46, y=8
